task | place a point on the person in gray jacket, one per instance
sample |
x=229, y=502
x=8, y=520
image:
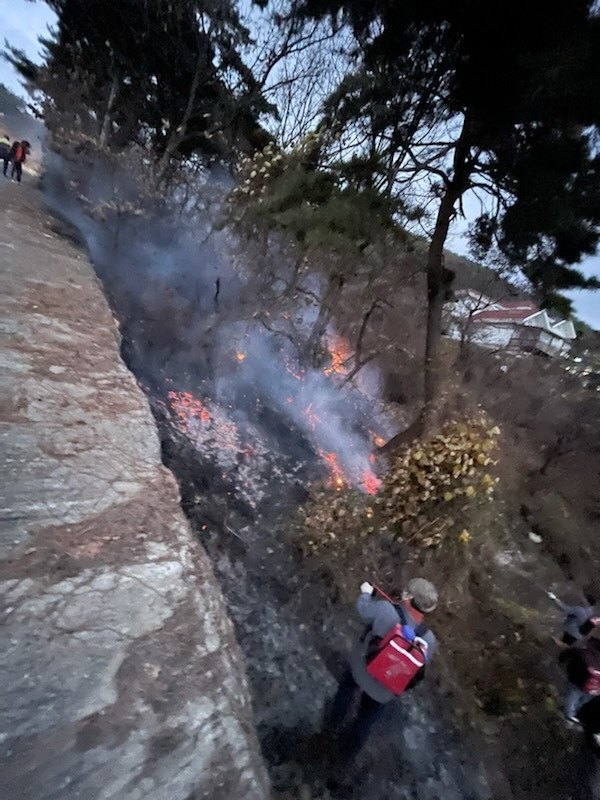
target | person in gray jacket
x=579, y=620
x=419, y=598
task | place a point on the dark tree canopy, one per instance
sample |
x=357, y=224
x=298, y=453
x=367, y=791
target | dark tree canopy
x=454, y=97
x=164, y=73
x=438, y=102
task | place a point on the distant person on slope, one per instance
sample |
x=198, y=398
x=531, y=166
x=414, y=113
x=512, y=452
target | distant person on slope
x=589, y=717
x=582, y=665
x=388, y=659
x=19, y=157
x=5, y=153
x=580, y=620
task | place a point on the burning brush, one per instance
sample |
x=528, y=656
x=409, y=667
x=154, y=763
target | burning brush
x=326, y=413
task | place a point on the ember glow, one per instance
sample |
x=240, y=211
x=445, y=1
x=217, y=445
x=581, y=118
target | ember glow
x=371, y=482
x=294, y=370
x=332, y=417
x=212, y=428
x=338, y=479
x=209, y=427
x=341, y=354
x=314, y=419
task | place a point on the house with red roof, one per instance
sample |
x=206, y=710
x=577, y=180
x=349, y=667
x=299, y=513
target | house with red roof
x=517, y=325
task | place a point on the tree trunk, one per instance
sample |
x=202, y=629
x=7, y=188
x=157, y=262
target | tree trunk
x=178, y=134
x=438, y=283
x=106, y=119
x=319, y=327
x=437, y=286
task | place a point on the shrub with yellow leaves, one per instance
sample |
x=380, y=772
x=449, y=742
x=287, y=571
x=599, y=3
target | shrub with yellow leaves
x=422, y=499
x=257, y=172
x=444, y=469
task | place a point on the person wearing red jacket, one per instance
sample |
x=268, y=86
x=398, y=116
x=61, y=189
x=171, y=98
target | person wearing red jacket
x=19, y=151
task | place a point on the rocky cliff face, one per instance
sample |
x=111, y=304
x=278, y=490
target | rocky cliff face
x=120, y=673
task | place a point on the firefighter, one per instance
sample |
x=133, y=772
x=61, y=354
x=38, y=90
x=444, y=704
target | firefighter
x=589, y=717
x=5, y=153
x=362, y=678
x=580, y=619
x=19, y=153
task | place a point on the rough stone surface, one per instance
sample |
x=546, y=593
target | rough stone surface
x=120, y=673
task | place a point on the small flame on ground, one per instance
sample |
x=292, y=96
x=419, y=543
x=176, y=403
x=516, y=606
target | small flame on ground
x=371, y=482
x=191, y=412
x=313, y=418
x=341, y=353
x=339, y=480
x=240, y=357
x=379, y=441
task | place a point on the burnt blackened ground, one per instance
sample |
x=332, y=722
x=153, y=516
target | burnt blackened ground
x=295, y=636
x=292, y=626
x=295, y=631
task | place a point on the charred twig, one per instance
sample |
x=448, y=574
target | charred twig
x=375, y=305
x=359, y=361
x=230, y=530
x=358, y=366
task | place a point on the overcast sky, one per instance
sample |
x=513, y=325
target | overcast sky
x=22, y=24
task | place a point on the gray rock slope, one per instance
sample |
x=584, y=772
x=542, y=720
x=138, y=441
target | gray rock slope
x=120, y=676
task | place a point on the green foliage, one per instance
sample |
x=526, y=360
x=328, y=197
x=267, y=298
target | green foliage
x=423, y=497
x=511, y=108
x=315, y=206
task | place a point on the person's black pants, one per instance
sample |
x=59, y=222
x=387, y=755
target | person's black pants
x=6, y=163
x=369, y=711
x=17, y=170
x=568, y=639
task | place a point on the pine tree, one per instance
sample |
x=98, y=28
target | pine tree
x=166, y=74
x=451, y=98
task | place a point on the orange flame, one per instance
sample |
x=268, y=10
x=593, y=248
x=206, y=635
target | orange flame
x=189, y=411
x=370, y=482
x=240, y=357
x=193, y=417
x=312, y=416
x=338, y=477
x=341, y=353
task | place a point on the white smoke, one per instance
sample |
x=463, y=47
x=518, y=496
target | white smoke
x=182, y=298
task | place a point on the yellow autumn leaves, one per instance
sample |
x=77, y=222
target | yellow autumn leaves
x=449, y=466
x=255, y=173
x=423, y=495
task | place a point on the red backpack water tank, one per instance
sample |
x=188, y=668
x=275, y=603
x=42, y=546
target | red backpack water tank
x=592, y=662
x=399, y=657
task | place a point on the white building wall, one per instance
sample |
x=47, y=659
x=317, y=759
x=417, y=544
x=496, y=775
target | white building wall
x=492, y=335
